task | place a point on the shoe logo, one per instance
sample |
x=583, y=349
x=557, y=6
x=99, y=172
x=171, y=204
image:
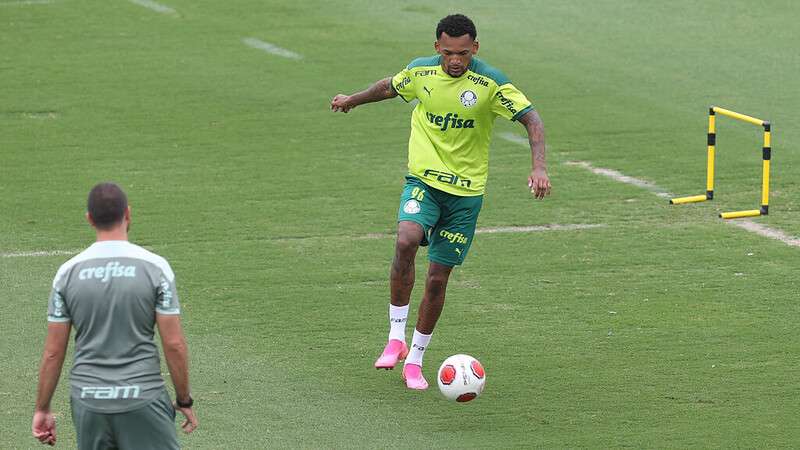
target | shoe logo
x=427, y=90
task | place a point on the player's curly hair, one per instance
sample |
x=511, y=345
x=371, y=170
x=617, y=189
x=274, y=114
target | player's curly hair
x=456, y=25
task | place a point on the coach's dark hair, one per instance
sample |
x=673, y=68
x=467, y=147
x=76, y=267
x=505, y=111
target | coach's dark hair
x=456, y=25
x=106, y=205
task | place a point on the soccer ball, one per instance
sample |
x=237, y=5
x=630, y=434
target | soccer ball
x=461, y=378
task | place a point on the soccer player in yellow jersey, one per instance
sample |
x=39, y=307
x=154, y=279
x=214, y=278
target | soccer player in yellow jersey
x=459, y=96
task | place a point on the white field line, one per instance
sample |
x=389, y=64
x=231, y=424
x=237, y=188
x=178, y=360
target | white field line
x=622, y=178
x=271, y=48
x=749, y=225
x=487, y=230
x=538, y=228
x=39, y=253
x=157, y=7
x=610, y=173
x=515, y=229
x=27, y=2
x=763, y=230
x=753, y=227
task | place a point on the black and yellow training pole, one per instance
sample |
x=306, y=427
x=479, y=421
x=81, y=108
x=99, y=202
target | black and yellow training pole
x=712, y=142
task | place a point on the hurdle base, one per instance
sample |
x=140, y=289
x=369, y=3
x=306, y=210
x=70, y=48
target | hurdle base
x=739, y=214
x=690, y=199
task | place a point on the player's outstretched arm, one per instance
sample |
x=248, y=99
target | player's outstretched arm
x=380, y=90
x=55, y=347
x=538, y=181
x=176, y=352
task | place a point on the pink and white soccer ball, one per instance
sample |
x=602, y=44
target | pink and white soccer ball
x=461, y=378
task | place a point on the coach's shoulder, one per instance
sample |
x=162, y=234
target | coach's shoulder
x=483, y=68
x=155, y=259
x=425, y=61
x=67, y=266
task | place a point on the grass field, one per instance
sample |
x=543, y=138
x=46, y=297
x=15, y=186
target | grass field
x=662, y=327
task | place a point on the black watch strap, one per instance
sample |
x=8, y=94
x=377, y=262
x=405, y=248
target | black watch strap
x=187, y=404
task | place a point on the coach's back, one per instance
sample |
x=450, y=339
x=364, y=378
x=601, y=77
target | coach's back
x=111, y=292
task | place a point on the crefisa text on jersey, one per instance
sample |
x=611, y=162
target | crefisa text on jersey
x=507, y=102
x=478, y=80
x=402, y=84
x=111, y=270
x=451, y=119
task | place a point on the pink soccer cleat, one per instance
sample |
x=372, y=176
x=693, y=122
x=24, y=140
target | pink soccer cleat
x=412, y=373
x=394, y=351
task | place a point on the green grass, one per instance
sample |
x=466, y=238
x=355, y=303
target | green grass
x=665, y=328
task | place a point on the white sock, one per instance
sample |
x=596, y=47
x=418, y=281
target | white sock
x=418, y=345
x=397, y=322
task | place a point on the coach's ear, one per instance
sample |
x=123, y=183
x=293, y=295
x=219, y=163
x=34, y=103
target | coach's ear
x=89, y=219
x=127, y=218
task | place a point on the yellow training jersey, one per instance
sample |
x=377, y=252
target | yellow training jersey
x=452, y=123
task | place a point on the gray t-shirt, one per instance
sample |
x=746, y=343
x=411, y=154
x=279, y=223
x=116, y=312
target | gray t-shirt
x=111, y=292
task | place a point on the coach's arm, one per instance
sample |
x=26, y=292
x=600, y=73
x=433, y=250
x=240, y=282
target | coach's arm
x=538, y=181
x=380, y=90
x=55, y=347
x=176, y=352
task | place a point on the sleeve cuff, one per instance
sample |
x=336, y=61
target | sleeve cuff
x=168, y=312
x=58, y=319
x=522, y=113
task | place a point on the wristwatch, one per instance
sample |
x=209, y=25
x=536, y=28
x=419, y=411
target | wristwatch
x=187, y=404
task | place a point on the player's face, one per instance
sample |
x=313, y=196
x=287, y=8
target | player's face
x=456, y=53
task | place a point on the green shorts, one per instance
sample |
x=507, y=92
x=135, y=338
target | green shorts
x=149, y=427
x=448, y=220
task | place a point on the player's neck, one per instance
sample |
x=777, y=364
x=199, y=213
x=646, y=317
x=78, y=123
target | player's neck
x=114, y=234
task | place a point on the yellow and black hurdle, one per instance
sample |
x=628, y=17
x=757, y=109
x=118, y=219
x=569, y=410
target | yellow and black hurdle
x=712, y=142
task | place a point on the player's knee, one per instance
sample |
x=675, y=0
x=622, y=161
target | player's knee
x=406, y=245
x=409, y=236
x=437, y=279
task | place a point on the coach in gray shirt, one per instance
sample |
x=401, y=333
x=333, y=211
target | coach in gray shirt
x=114, y=293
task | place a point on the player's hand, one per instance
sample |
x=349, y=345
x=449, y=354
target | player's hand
x=190, y=423
x=44, y=427
x=341, y=103
x=539, y=183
